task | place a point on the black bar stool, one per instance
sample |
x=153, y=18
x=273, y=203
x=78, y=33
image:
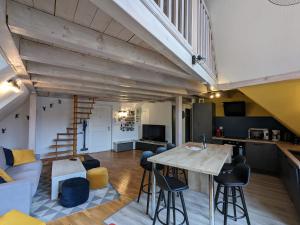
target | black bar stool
x=172, y=186
x=228, y=167
x=147, y=166
x=233, y=181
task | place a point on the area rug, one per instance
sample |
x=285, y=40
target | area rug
x=47, y=210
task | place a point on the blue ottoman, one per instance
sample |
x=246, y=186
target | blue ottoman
x=91, y=163
x=74, y=192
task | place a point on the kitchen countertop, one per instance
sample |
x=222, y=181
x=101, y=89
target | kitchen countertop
x=283, y=146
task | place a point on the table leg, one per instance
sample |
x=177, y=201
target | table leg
x=211, y=200
x=153, y=205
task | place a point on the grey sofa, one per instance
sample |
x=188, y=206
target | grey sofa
x=18, y=193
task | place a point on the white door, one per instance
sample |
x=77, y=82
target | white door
x=100, y=129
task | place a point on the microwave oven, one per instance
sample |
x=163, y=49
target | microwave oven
x=258, y=133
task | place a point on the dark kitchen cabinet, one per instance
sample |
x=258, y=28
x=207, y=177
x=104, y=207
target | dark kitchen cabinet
x=290, y=176
x=262, y=157
x=202, y=121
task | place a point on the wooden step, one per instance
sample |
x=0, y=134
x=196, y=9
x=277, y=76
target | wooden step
x=81, y=107
x=63, y=139
x=84, y=113
x=83, y=102
x=70, y=128
x=59, y=153
x=61, y=146
x=65, y=134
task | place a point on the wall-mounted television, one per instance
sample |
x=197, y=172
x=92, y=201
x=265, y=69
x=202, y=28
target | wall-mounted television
x=234, y=108
x=154, y=132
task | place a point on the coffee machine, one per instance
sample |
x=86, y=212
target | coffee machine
x=275, y=135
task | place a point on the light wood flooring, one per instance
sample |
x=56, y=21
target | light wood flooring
x=267, y=193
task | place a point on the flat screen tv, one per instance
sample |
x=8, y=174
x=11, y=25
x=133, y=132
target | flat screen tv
x=154, y=132
x=234, y=108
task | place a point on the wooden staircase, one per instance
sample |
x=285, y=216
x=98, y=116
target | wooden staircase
x=82, y=109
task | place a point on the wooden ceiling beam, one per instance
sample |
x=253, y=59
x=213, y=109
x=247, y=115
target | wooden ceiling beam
x=96, y=92
x=42, y=53
x=35, y=24
x=83, y=76
x=8, y=48
x=89, y=94
x=94, y=85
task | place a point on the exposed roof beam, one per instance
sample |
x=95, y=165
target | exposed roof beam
x=95, y=90
x=42, y=53
x=44, y=27
x=7, y=45
x=89, y=94
x=94, y=85
x=67, y=73
x=60, y=93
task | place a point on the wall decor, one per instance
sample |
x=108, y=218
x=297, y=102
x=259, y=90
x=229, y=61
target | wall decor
x=51, y=105
x=17, y=116
x=126, y=120
x=59, y=101
x=44, y=108
x=3, y=130
x=27, y=117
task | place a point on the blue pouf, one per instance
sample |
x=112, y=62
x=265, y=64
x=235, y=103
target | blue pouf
x=91, y=164
x=74, y=192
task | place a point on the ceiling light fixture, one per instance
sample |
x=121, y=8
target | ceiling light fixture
x=284, y=2
x=10, y=85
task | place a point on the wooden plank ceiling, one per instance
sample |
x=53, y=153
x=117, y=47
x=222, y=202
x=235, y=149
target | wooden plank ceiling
x=72, y=47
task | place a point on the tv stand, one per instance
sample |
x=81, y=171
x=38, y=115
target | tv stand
x=147, y=145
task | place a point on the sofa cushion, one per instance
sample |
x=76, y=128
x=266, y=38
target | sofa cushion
x=23, y=156
x=37, y=165
x=15, y=217
x=8, y=156
x=33, y=176
x=2, y=181
x=2, y=160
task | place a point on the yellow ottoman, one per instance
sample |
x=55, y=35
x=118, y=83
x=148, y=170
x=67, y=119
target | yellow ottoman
x=98, y=177
x=15, y=217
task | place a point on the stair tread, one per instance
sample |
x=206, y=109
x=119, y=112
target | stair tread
x=59, y=152
x=65, y=133
x=83, y=102
x=83, y=112
x=64, y=139
x=61, y=145
x=81, y=107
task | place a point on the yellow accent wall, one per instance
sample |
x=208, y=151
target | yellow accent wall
x=280, y=99
x=252, y=109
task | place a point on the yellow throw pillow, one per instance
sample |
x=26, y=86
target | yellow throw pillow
x=15, y=217
x=23, y=156
x=5, y=176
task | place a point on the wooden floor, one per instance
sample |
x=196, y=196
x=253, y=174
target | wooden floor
x=125, y=174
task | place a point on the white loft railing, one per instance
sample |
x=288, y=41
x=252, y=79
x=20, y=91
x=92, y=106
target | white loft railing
x=189, y=21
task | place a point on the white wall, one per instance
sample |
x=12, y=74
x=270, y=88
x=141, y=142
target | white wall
x=51, y=121
x=16, y=135
x=254, y=38
x=58, y=118
x=159, y=113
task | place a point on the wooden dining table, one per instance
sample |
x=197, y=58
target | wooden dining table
x=193, y=157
